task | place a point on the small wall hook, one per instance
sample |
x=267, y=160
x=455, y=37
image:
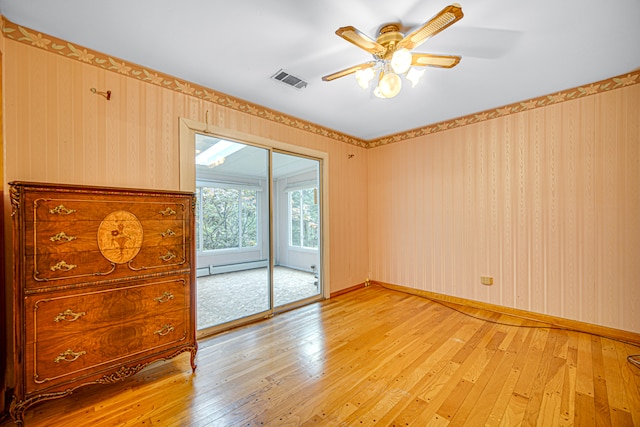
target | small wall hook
x=106, y=94
x=350, y=156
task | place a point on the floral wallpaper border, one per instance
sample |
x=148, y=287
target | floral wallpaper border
x=52, y=44
x=20, y=34
x=542, y=101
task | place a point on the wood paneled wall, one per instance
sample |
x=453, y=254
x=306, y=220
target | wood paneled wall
x=57, y=130
x=546, y=202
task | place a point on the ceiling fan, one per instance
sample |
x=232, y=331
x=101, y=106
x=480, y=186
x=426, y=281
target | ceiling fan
x=392, y=56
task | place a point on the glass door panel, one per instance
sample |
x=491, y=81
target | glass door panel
x=232, y=231
x=296, y=224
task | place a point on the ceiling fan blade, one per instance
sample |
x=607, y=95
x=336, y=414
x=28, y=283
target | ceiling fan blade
x=347, y=71
x=361, y=40
x=447, y=17
x=442, y=61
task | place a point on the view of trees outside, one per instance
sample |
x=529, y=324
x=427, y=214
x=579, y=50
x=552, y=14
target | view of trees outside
x=226, y=218
x=304, y=218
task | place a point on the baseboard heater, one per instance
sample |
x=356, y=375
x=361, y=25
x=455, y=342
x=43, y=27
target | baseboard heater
x=229, y=268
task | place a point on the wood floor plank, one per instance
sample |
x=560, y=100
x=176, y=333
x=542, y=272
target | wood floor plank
x=373, y=356
x=584, y=379
x=517, y=403
x=585, y=410
x=615, y=387
x=502, y=402
x=530, y=365
x=544, y=371
x=568, y=398
x=516, y=408
x=600, y=395
x=411, y=412
x=551, y=402
x=437, y=421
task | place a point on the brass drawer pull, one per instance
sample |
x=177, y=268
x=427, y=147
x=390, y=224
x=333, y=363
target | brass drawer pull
x=166, y=296
x=168, y=233
x=62, y=210
x=69, y=356
x=164, y=330
x=62, y=236
x=168, y=256
x=69, y=316
x=62, y=265
x=167, y=212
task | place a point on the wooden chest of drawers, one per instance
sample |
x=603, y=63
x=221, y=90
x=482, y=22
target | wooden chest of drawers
x=104, y=284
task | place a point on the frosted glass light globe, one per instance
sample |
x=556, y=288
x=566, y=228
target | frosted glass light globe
x=414, y=76
x=401, y=61
x=390, y=85
x=364, y=77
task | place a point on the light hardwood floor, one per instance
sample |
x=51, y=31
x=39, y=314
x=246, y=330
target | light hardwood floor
x=373, y=357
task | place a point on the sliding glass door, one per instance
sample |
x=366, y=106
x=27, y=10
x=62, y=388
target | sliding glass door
x=296, y=184
x=232, y=231
x=258, y=232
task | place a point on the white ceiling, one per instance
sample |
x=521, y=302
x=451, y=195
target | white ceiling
x=511, y=50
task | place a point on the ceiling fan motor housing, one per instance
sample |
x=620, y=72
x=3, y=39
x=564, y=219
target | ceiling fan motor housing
x=389, y=37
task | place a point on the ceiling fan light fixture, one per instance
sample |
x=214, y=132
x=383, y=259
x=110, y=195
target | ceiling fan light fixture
x=364, y=76
x=390, y=85
x=401, y=61
x=414, y=75
x=392, y=55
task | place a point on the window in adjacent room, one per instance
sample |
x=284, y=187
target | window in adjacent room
x=226, y=218
x=303, y=218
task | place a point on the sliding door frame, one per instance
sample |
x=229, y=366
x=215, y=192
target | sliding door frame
x=189, y=128
x=298, y=303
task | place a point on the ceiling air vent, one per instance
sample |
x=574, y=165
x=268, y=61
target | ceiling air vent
x=288, y=79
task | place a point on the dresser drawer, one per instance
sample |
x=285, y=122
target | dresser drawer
x=120, y=235
x=70, y=267
x=72, y=236
x=50, y=270
x=46, y=207
x=57, y=317
x=164, y=232
x=61, y=237
x=160, y=257
x=54, y=361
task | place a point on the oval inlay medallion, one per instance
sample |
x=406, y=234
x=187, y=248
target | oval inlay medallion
x=120, y=236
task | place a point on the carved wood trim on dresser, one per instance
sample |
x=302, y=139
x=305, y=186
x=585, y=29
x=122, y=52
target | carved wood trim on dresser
x=4, y=404
x=104, y=285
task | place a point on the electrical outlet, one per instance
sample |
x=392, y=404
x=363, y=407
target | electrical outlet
x=486, y=280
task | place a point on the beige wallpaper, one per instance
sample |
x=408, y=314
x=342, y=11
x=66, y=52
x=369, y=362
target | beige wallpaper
x=544, y=201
